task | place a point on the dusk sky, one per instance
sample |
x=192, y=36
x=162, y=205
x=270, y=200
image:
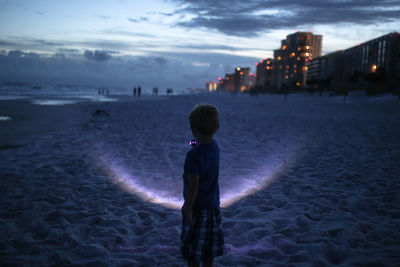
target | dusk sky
x=169, y=43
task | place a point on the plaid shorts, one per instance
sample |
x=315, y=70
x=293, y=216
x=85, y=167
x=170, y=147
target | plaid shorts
x=203, y=239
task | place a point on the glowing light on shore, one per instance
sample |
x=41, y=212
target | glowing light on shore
x=4, y=118
x=128, y=182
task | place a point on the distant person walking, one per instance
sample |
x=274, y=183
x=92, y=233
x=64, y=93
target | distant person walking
x=134, y=91
x=139, y=90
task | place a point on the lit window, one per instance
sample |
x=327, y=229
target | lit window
x=307, y=47
x=295, y=71
x=241, y=73
x=298, y=49
x=373, y=68
x=283, y=47
x=238, y=69
x=307, y=54
x=279, y=58
x=298, y=58
x=298, y=84
x=287, y=66
x=280, y=66
x=268, y=67
x=295, y=66
x=268, y=62
x=286, y=77
x=293, y=54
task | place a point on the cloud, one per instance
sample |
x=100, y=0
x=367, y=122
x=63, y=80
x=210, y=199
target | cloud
x=118, y=31
x=25, y=43
x=25, y=8
x=102, y=17
x=212, y=47
x=47, y=43
x=97, y=55
x=68, y=50
x=164, y=69
x=252, y=17
x=6, y=43
x=141, y=19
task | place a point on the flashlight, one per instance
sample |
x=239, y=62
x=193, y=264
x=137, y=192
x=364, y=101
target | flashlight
x=193, y=142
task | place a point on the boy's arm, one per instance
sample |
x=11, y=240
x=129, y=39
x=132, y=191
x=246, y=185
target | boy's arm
x=193, y=187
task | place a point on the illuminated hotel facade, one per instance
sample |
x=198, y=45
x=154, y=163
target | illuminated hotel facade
x=344, y=69
x=239, y=81
x=264, y=73
x=211, y=86
x=291, y=60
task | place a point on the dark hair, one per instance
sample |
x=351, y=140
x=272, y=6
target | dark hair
x=204, y=119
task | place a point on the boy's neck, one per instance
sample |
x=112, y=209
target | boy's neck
x=204, y=139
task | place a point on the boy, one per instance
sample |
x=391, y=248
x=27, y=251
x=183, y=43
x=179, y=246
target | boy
x=202, y=237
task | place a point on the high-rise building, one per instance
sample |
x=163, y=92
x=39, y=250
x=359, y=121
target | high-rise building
x=343, y=69
x=244, y=79
x=291, y=60
x=239, y=81
x=264, y=73
x=228, y=83
x=211, y=86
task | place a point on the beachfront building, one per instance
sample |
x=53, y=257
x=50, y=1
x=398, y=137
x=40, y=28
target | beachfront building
x=211, y=86
x=264, y=73
x=353, y=66
x=243, y=79
x=291, y=60
x=227, y=84
x=239, y=81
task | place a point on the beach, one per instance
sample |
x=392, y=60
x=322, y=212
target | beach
x=307, y=181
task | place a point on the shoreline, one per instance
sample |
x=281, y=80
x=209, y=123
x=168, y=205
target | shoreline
x=22, y=117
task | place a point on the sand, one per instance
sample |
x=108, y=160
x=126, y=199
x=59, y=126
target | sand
x=311, y=181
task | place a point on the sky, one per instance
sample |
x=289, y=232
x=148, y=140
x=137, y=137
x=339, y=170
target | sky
x=169, y=43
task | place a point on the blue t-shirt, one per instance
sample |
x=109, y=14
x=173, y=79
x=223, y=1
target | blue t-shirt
x=203, y=160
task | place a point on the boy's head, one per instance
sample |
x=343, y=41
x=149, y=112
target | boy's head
x=204, y=119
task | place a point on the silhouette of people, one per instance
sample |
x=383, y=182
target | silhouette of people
x=139, y=90
x=155, y=91
x=134, y=91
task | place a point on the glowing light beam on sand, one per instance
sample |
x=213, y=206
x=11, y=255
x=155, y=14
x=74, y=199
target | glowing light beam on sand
x=244, y=187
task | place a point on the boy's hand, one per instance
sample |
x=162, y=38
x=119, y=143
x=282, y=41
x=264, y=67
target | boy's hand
x=187, y=214
x=193, y=187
